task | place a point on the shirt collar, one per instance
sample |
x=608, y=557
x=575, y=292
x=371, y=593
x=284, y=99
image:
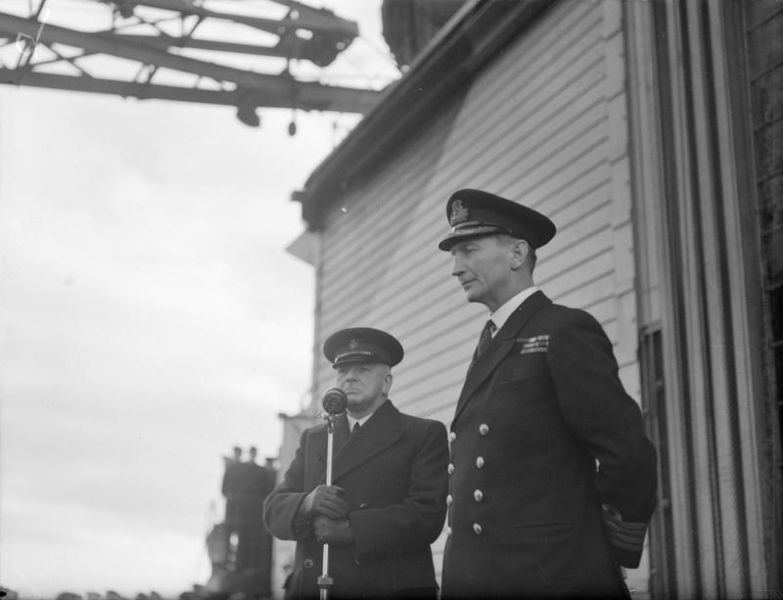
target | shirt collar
x=361, y=422
x=501, y=315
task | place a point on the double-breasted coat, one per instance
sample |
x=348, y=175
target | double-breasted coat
x=393, y=471
x=543, y=434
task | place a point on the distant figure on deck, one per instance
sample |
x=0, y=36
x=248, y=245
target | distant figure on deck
x=240, y=548
x=230, y=487
x=256, y=483
x=254, y=549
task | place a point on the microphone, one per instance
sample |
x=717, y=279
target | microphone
x=334, y=401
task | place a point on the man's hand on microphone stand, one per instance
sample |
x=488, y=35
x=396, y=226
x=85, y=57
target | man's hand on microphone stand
x=326, y=500
x=336, y=532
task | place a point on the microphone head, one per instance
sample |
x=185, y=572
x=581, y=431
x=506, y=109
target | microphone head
x=334, y=401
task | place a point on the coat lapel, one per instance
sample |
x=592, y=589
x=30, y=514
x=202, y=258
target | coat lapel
x=500, y=346
x=381, y=431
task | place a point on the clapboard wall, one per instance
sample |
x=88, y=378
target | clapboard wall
x=546, y=124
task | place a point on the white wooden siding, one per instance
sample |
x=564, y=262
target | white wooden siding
x=544, y=124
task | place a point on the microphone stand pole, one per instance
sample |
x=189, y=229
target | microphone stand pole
x=325, y=581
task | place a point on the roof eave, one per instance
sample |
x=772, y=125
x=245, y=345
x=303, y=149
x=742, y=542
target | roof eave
x=473, y=36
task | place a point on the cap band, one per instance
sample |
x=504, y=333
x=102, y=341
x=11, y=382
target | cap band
x=361, y=351
x=362, y=344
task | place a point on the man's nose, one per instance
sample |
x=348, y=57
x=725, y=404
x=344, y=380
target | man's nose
x=350, y=374
x=456, y=266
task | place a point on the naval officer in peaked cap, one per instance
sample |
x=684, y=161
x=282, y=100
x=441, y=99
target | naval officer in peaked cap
x=387, y=503
x=551, y=476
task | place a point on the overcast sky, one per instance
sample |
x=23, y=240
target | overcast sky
x=151, y=319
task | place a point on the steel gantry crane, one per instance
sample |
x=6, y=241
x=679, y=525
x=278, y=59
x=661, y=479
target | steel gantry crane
x=182, y=50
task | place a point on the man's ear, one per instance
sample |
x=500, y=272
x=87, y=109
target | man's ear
x=519, y=253
x=387, y=383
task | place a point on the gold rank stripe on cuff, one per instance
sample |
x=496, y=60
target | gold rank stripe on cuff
x=624, y=535
x=539, y=343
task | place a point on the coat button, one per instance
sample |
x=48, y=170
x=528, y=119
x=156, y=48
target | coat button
x=452, y=436
x=478, y=495
x=364, y=505
x=483, y=429
x=308, y=563
x=477, y=529
x=479, y=462
x=448, y=531
x=451, y=468
x=449, y=500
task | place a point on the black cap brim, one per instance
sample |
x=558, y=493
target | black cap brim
x=467, y=233
x=487, y=214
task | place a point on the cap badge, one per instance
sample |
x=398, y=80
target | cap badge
x=353, y=344
x=459, y=212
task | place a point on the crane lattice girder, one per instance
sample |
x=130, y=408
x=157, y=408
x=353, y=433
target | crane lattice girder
x=323, y=97
x=286, y=48
x=238, y=87
x=312, y=19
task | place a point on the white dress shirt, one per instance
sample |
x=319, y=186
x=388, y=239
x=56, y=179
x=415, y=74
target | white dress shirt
x=501, y=315
x=361, y=422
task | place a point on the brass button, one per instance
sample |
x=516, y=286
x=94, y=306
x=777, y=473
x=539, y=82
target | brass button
x=483, y=429
x=308, y=563
x=478, y=495
x=479, y=462
x=448, y=531
x=449, y=500
x=452, y=436
x=477, y=529
x=451, y=468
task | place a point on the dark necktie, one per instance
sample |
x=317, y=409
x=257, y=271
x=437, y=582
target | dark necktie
x=341, y=433
x=484, y=338
x=356, y=427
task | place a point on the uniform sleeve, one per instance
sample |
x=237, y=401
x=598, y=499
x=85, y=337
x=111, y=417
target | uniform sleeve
x=603, y=416
x=418, y=520
x=282, y=504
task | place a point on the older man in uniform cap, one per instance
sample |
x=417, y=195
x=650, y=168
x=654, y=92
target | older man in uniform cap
x=387, y=503
x=552, y=479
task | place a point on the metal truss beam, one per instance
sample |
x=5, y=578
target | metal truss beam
x=312, y=19
x=166, y=41
x=243, y=88
x=324, y=98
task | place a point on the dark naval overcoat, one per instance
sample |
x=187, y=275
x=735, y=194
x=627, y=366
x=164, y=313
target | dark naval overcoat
x=540, y=408
x=393, y=471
